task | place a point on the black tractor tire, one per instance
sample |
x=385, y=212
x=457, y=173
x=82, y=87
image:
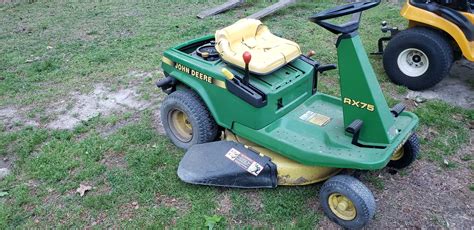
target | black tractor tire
x=186, y=119
x=347, y=188
x=411, y=148
x=428, y=67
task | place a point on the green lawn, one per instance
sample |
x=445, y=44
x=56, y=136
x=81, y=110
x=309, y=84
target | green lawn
x=51, y=48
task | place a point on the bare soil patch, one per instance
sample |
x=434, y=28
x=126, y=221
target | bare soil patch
x=128, y=210
x=255, y=200
x=224, y=203
x=114, y=160
x=6, y=165
x=11, y=116
x=172, y=202
x=101, y=101
x=78, y=107
x=157, y=122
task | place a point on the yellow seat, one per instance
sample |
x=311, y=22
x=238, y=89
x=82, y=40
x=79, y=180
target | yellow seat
x=269, y=52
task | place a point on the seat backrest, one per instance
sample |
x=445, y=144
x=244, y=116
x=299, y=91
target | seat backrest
x=241, y=30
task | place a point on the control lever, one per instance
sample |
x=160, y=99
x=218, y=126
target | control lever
x=247, y=57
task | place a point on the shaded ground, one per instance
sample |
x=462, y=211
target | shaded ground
x=457, y=89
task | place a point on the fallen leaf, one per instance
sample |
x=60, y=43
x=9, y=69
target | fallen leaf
x=83, y=189
x=211, y=221
x=446, y=162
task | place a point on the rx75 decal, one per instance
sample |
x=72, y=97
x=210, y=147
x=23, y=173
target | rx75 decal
x=359, y=104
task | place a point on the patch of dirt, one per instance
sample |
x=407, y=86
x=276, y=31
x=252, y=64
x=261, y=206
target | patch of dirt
x=94, y=221
x=157, y=122
x=10, y=116
x=255, y=200
x=101, y=101
x=425, y=195
x=7, y=161
x=114, y=160
x=224, y=203
x=456, y=89
x=6, y=165
x=171, y=202
x=128, y=210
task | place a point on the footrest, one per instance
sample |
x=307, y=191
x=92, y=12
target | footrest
x=354, y=129
x=397, y=109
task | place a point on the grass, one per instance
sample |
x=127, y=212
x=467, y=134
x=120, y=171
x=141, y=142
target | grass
x=50, y=49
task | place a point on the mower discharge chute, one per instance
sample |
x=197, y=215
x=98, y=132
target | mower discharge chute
x=244, y=104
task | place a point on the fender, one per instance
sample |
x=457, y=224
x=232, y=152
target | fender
x=417, y=16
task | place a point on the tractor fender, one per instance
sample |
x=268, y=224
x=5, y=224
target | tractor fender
x=421, y=17
x=182, y=80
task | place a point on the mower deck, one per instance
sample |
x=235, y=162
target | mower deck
x=312, y=139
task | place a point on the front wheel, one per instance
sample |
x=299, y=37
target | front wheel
x=418, y=58
x=347, y=201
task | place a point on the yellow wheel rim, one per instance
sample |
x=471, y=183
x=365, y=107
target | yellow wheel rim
x=180, y=125
x=341, y=206
x=398, y=155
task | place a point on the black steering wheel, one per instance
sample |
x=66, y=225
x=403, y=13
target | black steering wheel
x=339, y=11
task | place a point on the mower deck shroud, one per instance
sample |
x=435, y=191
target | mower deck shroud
x=279, y=125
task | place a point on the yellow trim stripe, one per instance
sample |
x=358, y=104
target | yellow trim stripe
x=219, y=83
x=167, y=61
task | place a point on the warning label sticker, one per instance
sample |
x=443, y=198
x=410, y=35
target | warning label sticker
x=244, y=161
x=315, y=118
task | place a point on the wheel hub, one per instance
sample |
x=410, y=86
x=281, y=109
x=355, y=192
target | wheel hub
x=413, y=62
x=180, y=125
x=398, y=155
x=342, y=206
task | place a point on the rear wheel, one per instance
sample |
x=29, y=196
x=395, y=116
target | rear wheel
x=347, y=201
x=406, y=154
x=418, y=58
x=186, y=119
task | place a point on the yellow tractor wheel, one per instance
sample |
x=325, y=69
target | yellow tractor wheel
x=347, y=201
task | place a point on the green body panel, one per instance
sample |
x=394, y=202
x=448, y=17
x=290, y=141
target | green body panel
x=281, y=129
x=226, y=107
x=359, y=85
x=326, y=145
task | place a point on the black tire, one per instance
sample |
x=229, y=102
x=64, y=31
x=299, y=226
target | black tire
x=362, y=199
x=409, y=154
x=435, y=46
x=203, y=126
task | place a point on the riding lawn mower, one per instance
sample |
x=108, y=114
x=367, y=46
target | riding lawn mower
x=245, y=106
